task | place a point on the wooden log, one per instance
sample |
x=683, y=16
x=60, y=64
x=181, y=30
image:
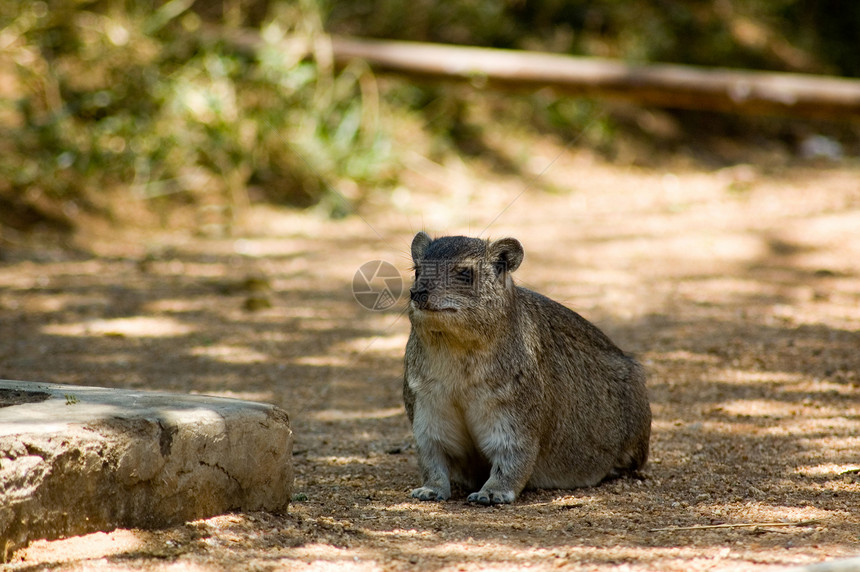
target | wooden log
x=659, y=85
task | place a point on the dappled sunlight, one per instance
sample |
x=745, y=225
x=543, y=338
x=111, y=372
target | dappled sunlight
x=186, y=269
x=178, y=305
x=40, y=275
x=341, y=415
x=714, y=249
x=821, y=420
x=722, y=289
x=744, y=377
x=684, y=356
x=412, y=504
x=98, y=545
x=50, y=303
x=487, y=552
x=342, y=461
x=135, y=327
x=120, y=360
x=759, y=512
x=230, y=354
x=826, y=446
x=316, y=324
x=323, y=360
x=759, y=408
x=838, y=312
x=266, y=226
x=402, y=534
x=387, y=345
x=259, y=247
x=324, y=557
x=700, y=427
x=827, y=469
x=308, y=312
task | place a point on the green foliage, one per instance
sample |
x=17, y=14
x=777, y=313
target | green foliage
x=151, y=97
x=158, y=100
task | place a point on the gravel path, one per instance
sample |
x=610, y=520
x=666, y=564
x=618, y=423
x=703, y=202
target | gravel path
x=739, y=289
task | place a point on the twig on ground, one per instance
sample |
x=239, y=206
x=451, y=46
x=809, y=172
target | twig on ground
x=736, y=525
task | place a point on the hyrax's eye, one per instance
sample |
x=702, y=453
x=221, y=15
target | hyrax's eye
x=464, y=275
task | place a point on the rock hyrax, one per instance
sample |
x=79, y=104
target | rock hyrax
x=507, y=389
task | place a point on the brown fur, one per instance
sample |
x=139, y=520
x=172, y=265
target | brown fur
x=506, y=388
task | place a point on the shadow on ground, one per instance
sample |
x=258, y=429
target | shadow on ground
x=753, y=366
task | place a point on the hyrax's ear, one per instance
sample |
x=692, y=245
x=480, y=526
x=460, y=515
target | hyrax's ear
x=419, y=245
x=506, y=254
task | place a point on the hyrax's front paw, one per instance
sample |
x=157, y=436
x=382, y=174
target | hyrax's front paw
x=488, y=497
x=430, y=494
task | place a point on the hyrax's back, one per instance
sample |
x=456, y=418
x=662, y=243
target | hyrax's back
x=508, y=388
x=599, y=423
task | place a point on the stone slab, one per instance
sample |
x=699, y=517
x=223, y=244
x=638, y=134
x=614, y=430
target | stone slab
x=76, y=459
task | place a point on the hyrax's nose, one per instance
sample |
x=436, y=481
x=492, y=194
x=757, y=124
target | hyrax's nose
x=419, y=296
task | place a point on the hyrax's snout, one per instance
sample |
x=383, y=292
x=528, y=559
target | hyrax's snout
x=420, y=297
x=426, y=296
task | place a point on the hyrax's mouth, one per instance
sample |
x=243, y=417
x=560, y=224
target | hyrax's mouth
x=433, y=309
x=436, y=310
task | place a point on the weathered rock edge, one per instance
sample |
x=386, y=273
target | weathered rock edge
x=86, y=459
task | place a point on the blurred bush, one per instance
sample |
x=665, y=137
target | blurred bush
x=156, y=102
x=150, y=98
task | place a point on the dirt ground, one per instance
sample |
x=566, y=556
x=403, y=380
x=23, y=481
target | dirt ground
x=738, y=288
